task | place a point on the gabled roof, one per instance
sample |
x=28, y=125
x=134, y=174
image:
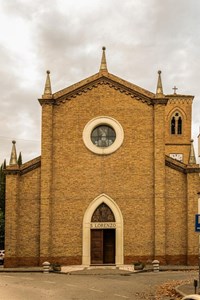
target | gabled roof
x=103, y=77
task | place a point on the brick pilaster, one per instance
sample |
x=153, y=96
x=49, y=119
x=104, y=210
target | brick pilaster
x=192, y=209
x=159, y=180
x=11, y=234
x=46, y=181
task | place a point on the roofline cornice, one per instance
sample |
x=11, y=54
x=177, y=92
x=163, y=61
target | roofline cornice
x=181, y=167
x=24, y=168
x=163, y=101
x=178, y=96
x=46, y=101
x=101, y=79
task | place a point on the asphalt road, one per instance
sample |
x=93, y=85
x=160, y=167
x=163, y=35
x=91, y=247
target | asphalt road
x=36, y=286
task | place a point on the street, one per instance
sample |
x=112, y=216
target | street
x=31, y=286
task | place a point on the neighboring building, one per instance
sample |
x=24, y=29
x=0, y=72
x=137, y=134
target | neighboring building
x=116, y=182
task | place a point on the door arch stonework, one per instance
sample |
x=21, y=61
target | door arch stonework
x=103, y=198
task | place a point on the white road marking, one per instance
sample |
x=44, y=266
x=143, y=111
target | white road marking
x=49, y=281
x=121, y=296
x=68, y=284
x=96, y=290
x=26, y=278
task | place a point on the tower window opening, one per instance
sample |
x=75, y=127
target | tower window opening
x=176, y=124
x=179, y=125
x=173, y=123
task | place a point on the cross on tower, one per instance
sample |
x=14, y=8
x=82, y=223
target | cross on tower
x=174, y=88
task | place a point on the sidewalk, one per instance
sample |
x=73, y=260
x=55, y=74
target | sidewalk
x=21, y=269
x=77, y=270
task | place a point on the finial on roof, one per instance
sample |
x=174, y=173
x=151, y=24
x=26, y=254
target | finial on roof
x=13, y=156
x=19, y=160
x=159, y=90
x=47, y=88
x=192, y=158
x=103, y=66
x=175, y=89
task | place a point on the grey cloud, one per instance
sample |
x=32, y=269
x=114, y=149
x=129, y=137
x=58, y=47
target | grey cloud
x=141, y=37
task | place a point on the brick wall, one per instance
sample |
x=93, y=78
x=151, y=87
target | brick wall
x=22, y=219
x=47, y=204
x=80, y=175
x=179, y=143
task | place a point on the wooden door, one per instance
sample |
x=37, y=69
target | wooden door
x=109, y=246
x=102, y=246
x=97, y=247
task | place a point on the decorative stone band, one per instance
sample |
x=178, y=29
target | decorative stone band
x=103, y=225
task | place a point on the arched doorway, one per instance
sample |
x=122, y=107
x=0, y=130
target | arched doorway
x=103, y=236
x=102, y=232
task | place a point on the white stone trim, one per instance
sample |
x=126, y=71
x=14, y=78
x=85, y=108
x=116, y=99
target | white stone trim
x=103, y=120
x=103, y=198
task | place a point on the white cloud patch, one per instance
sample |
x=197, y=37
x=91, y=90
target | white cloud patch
x=66, y=37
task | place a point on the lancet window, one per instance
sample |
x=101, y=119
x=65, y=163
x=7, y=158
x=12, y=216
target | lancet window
x=176, y=123
x=103, y=213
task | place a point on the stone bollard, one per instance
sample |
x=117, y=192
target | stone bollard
x=156, y=265
x=46, y=267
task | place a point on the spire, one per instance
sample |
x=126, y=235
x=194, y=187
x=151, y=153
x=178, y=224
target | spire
x=13, y=156
x=159, y=90
x=4, y=164
x=19, y=160
x=47, y=88
x=103, y=66
x=192, y=159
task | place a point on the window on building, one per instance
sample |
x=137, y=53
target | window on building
x=179, y=125
x=173, y=125
x=103, y=136
x=103, y=213
x=176, y=124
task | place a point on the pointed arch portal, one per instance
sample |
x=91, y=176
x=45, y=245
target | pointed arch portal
x=92, y=229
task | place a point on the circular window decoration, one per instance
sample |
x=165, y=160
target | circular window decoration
x=103, y=135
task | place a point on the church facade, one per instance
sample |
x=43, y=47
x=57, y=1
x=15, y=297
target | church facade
x=117, y=180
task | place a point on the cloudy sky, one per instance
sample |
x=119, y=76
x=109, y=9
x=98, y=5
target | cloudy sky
x=66, y=37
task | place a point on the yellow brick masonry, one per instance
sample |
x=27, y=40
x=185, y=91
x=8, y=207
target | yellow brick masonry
x=80, y=175
x=176, y=216
x=159, y=181
x=192, y=237
x=11, y=225
x=22, y=218
x=49, y=210
x=176, y=143
x=46, y=181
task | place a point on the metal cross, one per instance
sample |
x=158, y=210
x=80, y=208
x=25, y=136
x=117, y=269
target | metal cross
x=174, y=88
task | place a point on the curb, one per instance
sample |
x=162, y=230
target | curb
x=178, y=291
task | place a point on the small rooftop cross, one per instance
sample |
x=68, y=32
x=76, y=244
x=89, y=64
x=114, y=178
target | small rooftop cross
x=174, y=88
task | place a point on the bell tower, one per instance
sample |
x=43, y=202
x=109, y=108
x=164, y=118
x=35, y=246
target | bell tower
x=178, y=116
